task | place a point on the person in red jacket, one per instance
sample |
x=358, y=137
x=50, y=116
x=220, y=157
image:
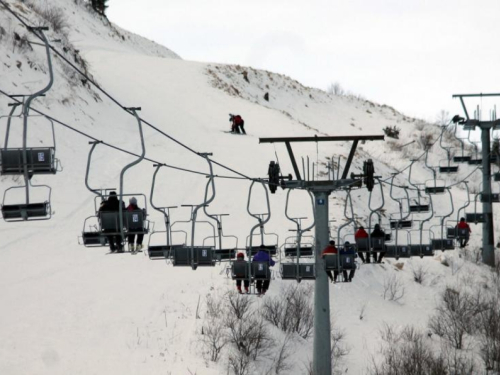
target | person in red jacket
x=461, y=238
x=331, y=249
x=362, y=233
x=237, y=124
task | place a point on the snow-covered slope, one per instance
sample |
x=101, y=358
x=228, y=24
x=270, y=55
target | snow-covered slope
x=66, y=308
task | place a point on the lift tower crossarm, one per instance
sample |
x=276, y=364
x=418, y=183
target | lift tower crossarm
x=355, y=138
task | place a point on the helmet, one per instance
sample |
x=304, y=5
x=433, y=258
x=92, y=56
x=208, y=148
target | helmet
x=240, y=256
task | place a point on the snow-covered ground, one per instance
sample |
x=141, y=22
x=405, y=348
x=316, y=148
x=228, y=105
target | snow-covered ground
x=67, y=308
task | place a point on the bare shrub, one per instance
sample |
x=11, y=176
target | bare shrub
x=426, y=140
x=53, y=15
x=239, y=305
x=21, y=42
x=419, y=272
x=292, y=311
x=250, y=336
x=215, y=306
x=490, y=335
x=394, y=288
x=455, y=315
x=392, y=131
x=339, y=350
x=214, y=338
x=336, y=89
x=280, y=362
x=239, y=363
x=406, y=352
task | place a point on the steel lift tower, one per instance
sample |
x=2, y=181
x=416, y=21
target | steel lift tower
x=321, y=190
x=486, y=195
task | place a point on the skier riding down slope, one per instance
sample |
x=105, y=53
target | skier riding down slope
x=112, y=204
x=263, y=256
x=237, y=124
x=137, y=246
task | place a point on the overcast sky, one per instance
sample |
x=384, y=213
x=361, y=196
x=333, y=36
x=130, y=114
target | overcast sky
x=409, y=54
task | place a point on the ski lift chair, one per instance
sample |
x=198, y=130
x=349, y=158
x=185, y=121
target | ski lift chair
x=476, y=217
x=305, y=248
x=422, y=249
x=435, y=187
x=339, y=263
x=446, y=167
x=496, y=176
x=159, y=250
x=475, y=161
x=26, y=211
x=298, y=249
x=91, y=235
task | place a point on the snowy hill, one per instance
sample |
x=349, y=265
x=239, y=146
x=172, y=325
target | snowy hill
x=71, y=309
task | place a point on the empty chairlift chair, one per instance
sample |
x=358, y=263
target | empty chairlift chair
x=298, y=270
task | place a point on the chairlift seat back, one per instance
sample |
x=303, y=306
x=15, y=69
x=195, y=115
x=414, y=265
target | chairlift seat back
x=378, y=244
x=475, y=161
x=495, y=197
x=443, y=244
x=92, y=239
x=434, y=189
x=332, y=262
x=39, y=161
x=239, y=270
x=347, y=261
x=306, y=271
x=420, y=208
x=461, y=159
x=462, y=233
x=15, y=212
x=475, y=218
x=362, y=244
x=110, y=221
x=260, y=271
x=269, y=248
x=134, y=222
x=400, y=224
x=496, y=176
x=159, y=251
x=305, y=251
x=449, y=169
x=202, y=256
x=421, y=250
x=224, y=254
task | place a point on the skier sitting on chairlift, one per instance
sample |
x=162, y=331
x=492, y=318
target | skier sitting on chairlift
x=361, y=233
x=263, y=256
x=378, y=233
x=241, y=258
x=464, y=239
x=331, y=249
x=137, y=246
x=112, y=204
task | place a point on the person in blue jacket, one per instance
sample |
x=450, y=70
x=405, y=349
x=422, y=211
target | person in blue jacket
x=348, y=249
x=263, y=256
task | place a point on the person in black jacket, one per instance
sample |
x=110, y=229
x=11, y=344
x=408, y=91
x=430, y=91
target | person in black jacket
x=378, y=233
x=112, y=204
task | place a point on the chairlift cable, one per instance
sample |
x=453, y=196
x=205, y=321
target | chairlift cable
x=111, y=145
